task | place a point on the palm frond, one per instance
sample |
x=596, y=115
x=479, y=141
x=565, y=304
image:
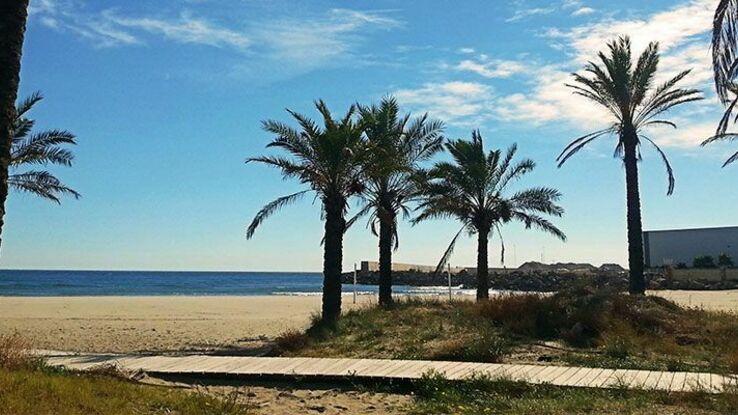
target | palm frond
x=535, y=221
x=724, y=45
x=580, y=143
x=26, y=104
x=43, y=148
x=41, y=183
x=270, y=208
x=447, y=254
x=669, y=170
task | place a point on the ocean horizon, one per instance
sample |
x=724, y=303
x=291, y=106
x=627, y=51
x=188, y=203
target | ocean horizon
x=70, y=283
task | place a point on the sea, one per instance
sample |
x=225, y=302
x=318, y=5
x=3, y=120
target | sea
x=31, y=283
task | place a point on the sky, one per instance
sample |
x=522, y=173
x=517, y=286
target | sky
x=166, y=98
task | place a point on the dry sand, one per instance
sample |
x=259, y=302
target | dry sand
x=172, y=323
x=239, y=324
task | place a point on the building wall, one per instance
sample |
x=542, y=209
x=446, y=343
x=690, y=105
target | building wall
x=671, y=247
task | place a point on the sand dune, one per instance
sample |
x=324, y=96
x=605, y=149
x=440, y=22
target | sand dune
x=128, y=324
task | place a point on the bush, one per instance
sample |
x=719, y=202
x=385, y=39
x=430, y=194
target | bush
x=16, y=352
x=724, y=260
x=704, y=261
x=618, y=348
x=291, y=340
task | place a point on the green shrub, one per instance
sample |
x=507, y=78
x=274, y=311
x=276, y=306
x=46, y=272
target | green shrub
x=724, y=260
x=704, y=261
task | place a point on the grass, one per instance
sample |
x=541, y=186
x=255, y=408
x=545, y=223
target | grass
x=483, y=395
x=600, y=329
x=27, y=386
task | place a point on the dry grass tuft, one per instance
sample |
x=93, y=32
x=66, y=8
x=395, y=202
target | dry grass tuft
x=291, y=340
x=16, y=352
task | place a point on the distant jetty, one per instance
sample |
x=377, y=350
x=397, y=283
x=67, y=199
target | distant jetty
x=535, y=276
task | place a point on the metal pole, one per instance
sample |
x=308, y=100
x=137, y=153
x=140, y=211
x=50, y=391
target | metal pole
x=354, y=282
x=448, y=272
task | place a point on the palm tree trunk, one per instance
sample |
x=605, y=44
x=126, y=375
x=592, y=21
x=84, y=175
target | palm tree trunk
x=482, y=265
x=636, y=282
x=13, y=15
x=385, y=259
x=335, y=225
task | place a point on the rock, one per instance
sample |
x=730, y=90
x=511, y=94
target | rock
x=317, y=408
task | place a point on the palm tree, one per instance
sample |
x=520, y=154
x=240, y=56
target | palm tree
x=326, y=160
x=474, y=189
x=725, y=65
x=43, y=149
x=397, y=145
x=634, y=103
x=13, y=15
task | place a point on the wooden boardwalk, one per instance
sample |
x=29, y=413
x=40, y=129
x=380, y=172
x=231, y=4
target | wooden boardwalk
x=379, y=369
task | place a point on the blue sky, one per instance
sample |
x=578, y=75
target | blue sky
x=166, y=99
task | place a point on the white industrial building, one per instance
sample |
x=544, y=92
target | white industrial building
x=671, y=247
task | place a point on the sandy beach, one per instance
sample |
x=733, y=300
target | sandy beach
x=171, y=323
x=177, y=323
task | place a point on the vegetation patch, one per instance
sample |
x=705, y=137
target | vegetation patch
x=595, y=328
x=484, y=395
x=27, y=386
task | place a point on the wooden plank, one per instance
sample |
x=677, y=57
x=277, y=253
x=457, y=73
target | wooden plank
x=602, y=379
x=565, y=380
x=664, y=382
x=545, y=375
x=461, y=371
x=562, y=373
x=639, y=379
x=576, y=378
x=591, y=376
x=678, y=383
x=652, y=380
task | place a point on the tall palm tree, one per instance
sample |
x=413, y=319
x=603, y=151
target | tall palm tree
x=725, y=68
x=397, y=145
x=634, y=103
x=326, y=159
x=474, y=189
x=43, y=149
x=13, y=15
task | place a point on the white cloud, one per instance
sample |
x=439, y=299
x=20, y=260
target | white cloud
x=570, y=4
x=311, y=41
x=491, y=68
x=688, y=135
x=463, y=103
x=681, y=32
x=521, y=14
x=305, y=43
x=185, y=29
x=582, y=11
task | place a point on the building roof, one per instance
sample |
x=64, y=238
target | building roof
x=715, y=228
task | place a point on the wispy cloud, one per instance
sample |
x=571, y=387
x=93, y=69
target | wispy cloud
x=462, y=103
x=317, y=40
x=582, y=11
x=573, y=7
x=184, y=29
x=521, y=14
x=484, y=66
x=304, y=42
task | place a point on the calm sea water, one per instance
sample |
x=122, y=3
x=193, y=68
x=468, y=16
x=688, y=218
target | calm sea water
x=88, y=283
